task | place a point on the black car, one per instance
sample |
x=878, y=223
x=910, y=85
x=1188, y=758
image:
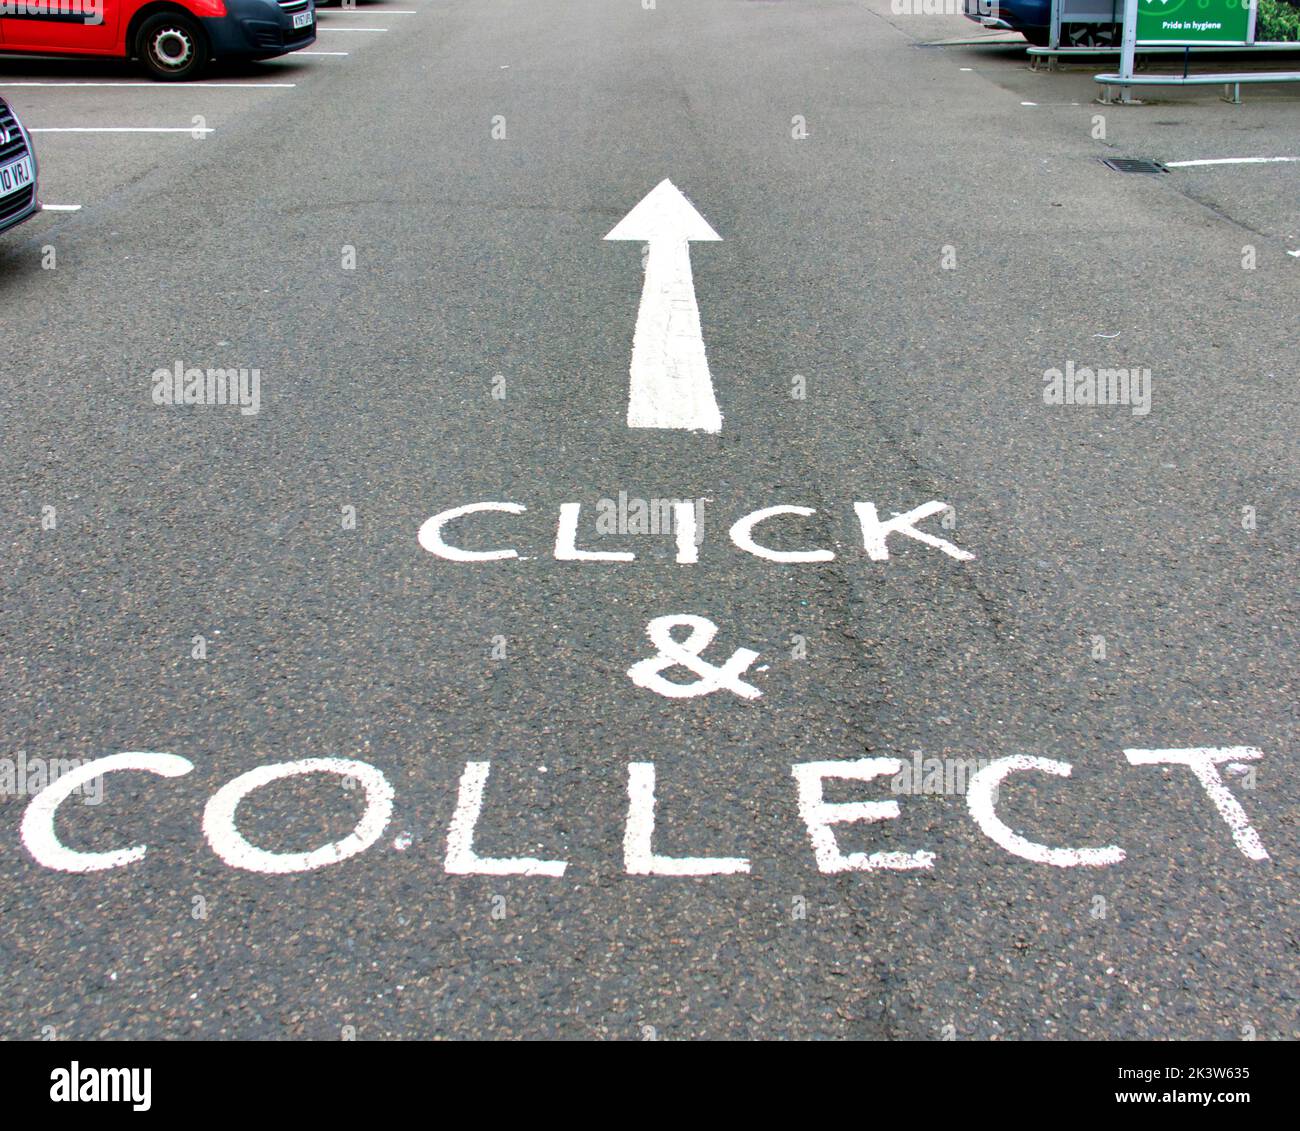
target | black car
x=17, y=171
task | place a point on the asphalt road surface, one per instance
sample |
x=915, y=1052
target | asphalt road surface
x=407, y=245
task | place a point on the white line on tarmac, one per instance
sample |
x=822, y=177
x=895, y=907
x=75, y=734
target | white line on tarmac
x=60, y=207
x=164, y=85
x=1229, y=161
x=351, y=29
x=670, y=386
x=339, y=53
x=123, y=130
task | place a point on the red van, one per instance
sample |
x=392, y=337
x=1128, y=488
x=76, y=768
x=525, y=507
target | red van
x=173, y=39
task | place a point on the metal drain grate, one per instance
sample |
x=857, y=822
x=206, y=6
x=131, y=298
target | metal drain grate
x=1134, y=165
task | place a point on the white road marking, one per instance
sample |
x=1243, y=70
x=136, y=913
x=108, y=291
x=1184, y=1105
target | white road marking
x=164, y=85
x=671, y=386
x=742, y=536
x=1228, y=161
x=339, y=54
x=430, y=536
x=1204, y=761
x=639, y=857
x=981, y=791
x=123, y=130
x=229, y=843
x=566, y=537
x=876, y=533
x=37, y=828
x=60, y=207
x=688, y=549
x=351, y=29
x=688, y=654
x=462, y=860
x=819, y=815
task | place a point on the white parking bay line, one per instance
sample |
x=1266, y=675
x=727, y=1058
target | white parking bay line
x=123, y=130
x=60, y=207
x=319, y=28
x=164, y=85
x=1228, y=161
x=343, y=54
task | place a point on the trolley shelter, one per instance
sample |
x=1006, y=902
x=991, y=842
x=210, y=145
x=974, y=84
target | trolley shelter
x=1190, y=24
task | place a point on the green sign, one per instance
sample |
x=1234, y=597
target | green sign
x=1193, y=21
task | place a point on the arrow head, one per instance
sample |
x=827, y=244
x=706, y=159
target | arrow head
x=664, y=214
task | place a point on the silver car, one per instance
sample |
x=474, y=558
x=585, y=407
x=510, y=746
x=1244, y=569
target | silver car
x=17, y=171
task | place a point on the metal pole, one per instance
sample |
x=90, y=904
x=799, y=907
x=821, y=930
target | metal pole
x=1054, y=33
x=1128, y=48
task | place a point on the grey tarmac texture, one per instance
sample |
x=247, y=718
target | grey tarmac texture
x=479, y=257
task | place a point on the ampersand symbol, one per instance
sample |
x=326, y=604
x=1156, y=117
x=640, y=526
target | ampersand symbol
x=686, y=654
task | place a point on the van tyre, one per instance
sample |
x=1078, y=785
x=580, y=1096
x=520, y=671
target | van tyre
x=172, y=46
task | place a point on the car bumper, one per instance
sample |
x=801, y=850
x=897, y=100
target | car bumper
x=17, y=207
x=255, y=29
x=985, y=13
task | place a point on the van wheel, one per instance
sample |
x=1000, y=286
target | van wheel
x=172, y=46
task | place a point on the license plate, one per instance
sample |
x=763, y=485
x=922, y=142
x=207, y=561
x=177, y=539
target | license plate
x=16, y=176
x=301, y=19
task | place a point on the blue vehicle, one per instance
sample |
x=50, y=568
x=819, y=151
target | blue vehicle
x=1033, y=19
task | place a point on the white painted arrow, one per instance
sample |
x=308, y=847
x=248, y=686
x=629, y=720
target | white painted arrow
x=671, y=386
